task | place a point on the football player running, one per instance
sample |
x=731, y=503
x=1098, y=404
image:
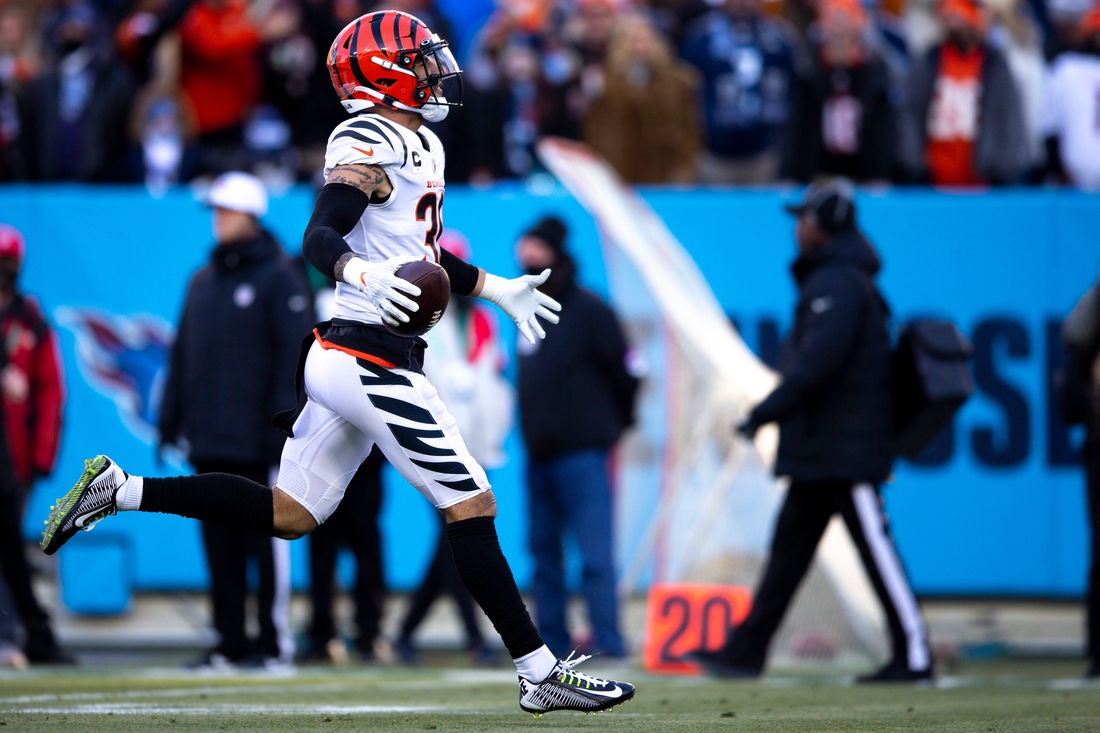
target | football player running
x=381, y=207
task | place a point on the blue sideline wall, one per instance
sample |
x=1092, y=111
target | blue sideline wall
x=998, y=510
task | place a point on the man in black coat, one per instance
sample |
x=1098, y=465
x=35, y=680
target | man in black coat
x=576, y=398
x=834, y=409
x=1081, y=404
x=232, y=368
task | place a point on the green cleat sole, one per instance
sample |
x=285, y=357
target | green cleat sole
x=92, y=468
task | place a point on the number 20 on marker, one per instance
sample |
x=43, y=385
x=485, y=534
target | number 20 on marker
x=684, y=616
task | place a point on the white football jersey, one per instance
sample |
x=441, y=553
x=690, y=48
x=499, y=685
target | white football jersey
x=410, y=221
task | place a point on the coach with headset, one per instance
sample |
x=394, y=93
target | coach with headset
x=834, y=407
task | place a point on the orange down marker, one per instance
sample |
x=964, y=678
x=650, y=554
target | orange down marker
x=684, y=616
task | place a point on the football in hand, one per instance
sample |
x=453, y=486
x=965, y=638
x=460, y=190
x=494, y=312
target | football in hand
x=435, y=293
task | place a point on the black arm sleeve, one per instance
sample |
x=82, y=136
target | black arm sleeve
x=463, y=275
x=337, y=209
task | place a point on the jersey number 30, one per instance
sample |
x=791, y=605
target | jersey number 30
x=430, y=209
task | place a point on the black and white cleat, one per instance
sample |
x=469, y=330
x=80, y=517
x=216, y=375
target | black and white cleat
x=88, y=502
x=568, y=689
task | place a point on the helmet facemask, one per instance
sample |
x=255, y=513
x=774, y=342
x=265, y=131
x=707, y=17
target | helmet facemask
x=440, y=79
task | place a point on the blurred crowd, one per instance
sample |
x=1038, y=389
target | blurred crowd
x=749, y=92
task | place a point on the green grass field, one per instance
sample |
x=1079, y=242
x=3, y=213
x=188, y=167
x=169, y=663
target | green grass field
x=987, y=696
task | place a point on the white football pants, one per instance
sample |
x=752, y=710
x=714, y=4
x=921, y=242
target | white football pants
x=354, y=404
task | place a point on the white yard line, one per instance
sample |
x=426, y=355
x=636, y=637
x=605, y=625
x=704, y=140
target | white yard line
x=181, y=692
x=454, y=678
x=137, y=709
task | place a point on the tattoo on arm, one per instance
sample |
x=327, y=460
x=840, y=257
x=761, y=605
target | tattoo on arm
x=367, y=178
x=338, y=271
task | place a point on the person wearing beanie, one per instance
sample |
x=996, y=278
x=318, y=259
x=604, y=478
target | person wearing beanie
x=834, y=407
x=964, y=120
x=576, y=397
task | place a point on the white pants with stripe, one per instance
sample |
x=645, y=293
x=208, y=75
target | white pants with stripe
x=354, y=404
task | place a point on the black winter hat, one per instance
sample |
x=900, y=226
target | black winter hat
x=832, y=203
x=552, y=230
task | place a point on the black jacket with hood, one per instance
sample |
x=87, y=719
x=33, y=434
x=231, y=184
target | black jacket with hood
x=835, y=404
x=574, y=389
x=233, y=361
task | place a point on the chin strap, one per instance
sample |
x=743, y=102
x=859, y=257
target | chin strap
x=430, y=112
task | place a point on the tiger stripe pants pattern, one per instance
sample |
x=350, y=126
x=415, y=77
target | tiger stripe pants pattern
x=354, y=404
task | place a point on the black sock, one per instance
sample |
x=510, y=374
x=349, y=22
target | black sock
x=214, y=497
x=487, y=576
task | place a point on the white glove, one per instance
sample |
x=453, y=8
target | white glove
x=521, y=300
x=384, y=289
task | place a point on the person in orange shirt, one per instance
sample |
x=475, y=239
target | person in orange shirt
x=964, y=125
x=220, y=70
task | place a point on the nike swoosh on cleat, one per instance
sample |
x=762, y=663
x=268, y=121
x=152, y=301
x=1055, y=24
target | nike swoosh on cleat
x=79, y=523
x=608, y=695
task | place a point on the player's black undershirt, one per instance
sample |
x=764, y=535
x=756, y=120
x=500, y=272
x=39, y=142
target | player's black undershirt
x=336, y=212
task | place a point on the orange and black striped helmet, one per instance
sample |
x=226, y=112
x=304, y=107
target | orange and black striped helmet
x=392, y=59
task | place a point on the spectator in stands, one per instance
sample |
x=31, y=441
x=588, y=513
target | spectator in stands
x=231, y=368
x=17, y=68
x=73, y=117
x=530, y=73
x=220, y=73
x=1070, y=114
x=514, y=97
x=589, y=30
x=499, y=94
x=297, y=82
x=747, y=61
x=576, y=398
x=354, y=525
x=645, y=120
x=138, y=34
x=32, y=395
x=160, y=122
x=580, y=57
x=964, y=123
x=1081, y=404
x=1064, y=20
x=842, y=121
x=1014, y=30
x=674, y=17
x=464, y=362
